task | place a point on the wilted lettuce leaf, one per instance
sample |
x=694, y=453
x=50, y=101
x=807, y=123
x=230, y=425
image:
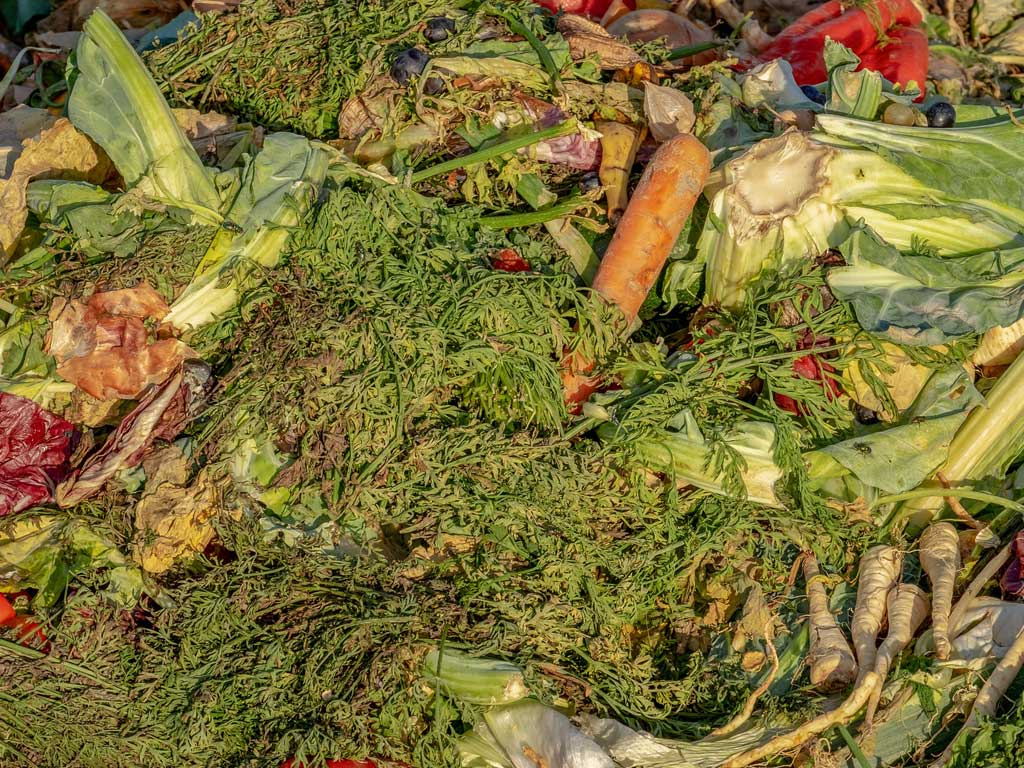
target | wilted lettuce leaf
x=852, y=93
x=899, y=458
x=279, y=187
x=116, y=102
x=927, y=300
x=93, y=216
x=990, y=17
x=45, y=552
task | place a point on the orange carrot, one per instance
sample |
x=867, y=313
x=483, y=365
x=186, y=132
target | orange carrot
x=660, y=206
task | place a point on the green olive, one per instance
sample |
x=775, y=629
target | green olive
x=899, y=114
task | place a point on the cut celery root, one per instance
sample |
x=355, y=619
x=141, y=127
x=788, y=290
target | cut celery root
x=830, y=658
x=940, y=559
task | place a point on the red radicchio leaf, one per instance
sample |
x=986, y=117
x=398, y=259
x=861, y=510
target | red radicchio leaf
x=35, y=446
x=161, y=415
x=1012, y=582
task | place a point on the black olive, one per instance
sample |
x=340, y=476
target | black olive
x=864, y=415
x=439, y=29
x=941, y=115
x=590, y=182
x=408, y=64
x=813, y=94
x=434, y=85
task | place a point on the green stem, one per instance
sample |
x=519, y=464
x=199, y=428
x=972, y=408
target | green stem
x=957, y=493
x=855, y=750
x=502, y=148
x=21, y=650
x=548, y=213
x=692, y=50
x=517, y=26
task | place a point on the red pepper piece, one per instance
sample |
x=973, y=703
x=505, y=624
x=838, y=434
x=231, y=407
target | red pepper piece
x=594, y=8
x=902, y=59
x=27, y=631
x=810, y=367
x=802, y=44
x=813, y=18
x=6, y=611
x=508, y=260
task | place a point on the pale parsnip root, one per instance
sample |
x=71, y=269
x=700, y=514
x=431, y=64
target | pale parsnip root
x=831, y=660
x=908, y=607
x=978, y=583
x=940, y=559
x=879, y=572
x=839, y=716
x=991, y=692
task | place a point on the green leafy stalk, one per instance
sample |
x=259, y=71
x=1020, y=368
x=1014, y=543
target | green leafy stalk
x=116, y=102
x=990, y=438
x=279, y=188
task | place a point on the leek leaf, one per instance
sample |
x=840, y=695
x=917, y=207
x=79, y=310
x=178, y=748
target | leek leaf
x=115, y=101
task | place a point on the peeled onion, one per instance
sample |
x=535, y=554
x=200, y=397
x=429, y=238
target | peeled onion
x=649, y=24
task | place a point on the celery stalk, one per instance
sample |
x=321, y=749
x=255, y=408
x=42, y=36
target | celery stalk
x=990, y=438
x=474, y=680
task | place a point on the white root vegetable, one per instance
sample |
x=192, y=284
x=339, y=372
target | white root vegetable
x=831, y=660
x=908, y=606
x=940, y=559
x=879, y=572
x=991, y=692
x=978, y=583
x=789, y=741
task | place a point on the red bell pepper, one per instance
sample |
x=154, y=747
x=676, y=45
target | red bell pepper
x=883, y=34
x=27, y=632
x=592, y=8
x=902, y=59
x=509, y=260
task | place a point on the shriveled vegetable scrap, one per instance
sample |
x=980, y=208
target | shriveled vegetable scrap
x=475, y=385
x=109, y=345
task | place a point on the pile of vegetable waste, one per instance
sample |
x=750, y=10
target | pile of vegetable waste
x=490, y=383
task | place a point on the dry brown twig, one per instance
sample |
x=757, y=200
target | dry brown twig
x=956, y=506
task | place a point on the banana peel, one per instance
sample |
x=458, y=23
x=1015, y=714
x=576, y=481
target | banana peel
x=619, y=143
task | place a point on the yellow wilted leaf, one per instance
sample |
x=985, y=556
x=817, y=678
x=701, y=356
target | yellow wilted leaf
x=173, y=518
x=1000, y=346
x=35, y=145
x=904, y=382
